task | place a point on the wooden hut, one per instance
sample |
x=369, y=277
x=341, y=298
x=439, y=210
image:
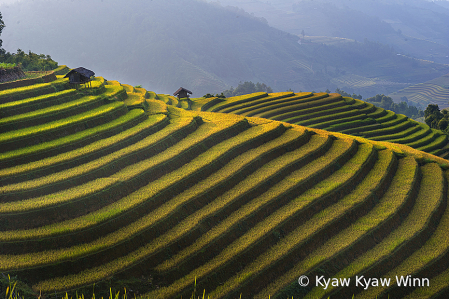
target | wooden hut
x=79, y=76
x=182, y=93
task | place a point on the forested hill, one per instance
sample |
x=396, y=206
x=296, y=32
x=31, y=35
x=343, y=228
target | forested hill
x=163, y=45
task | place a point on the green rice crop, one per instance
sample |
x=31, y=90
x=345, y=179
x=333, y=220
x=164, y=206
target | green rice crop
x=358, y=123
x=438, y=143
x=271, y=222
x=17, y=135
x=318, y=222
x=144, y=223
x=388, y=130
x=58, y=198
x=84, y=152
x=111, y=211
x=429, y=138
x=424, y=131
x=237, y=100
x=101, y=162
x=268, y=106
x=338, y=107
x=266, y=172
x=430, y=253
x=429, y=199
x=380, y=112
x=400, y=118
x=10, y=108
x=408, y=132
x=73, y=138
x=394, y=198
x=300, y=108
x=328, y=120
x=53, y=111
x=20, y=93
x=389, y=116
x=271, y=99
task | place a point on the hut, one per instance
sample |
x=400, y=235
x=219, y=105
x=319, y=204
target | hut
x=79, y=76
x=182, y=93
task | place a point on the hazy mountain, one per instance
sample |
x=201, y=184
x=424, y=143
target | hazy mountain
x=204, y=47
x=414, y=27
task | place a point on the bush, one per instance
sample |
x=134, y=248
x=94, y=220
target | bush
x=30, y=61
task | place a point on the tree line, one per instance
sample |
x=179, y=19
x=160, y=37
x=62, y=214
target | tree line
x=27, y=62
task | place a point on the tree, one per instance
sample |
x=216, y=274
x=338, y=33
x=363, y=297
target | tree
x=246, y=88
x=2, y=25
x=433, y=116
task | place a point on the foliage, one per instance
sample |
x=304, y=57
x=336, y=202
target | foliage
x=345, y=94
x=220, y=96
x=7, y=65
x=385, y=102
x=30, y=61
x=246, y=88
x=435, y=118
x=2, y=25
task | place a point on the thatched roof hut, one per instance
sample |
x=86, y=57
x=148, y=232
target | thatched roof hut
x=79, y=75
x=182, y=93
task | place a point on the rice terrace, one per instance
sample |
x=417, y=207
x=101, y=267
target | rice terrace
x=242, y=196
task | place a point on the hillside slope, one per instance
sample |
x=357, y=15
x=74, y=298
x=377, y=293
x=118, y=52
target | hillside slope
x=163, y=45
x=243, y=205
x=335, y=113
x=435, y=91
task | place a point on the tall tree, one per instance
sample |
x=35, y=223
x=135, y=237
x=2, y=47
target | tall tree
x=2, y=25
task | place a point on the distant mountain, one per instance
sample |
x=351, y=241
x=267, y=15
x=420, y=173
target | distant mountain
x=417, y=28
x=204, y=47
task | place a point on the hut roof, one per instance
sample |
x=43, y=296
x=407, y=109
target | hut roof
x=83, y=71
x=182, y=89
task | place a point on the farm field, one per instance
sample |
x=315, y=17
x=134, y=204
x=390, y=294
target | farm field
x=117, y=181
x=334, y=113
x=435, y=91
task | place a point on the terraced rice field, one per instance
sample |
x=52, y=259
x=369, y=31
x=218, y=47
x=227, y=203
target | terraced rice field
x=113, y=181
x=435, y=91
x=334, y=113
